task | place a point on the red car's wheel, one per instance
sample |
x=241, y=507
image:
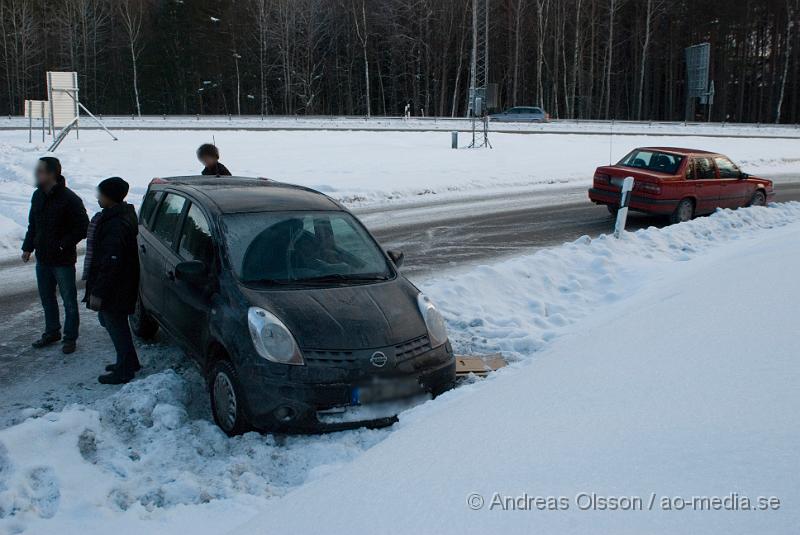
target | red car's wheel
x=758, y=198
x=683, y=212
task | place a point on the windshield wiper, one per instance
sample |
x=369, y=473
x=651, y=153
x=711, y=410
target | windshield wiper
x=271, y=282
x=338, y=277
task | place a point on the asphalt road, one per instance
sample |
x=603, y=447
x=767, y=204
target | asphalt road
x=514, y=225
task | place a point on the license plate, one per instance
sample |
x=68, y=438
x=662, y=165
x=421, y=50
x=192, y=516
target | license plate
x=385, y=390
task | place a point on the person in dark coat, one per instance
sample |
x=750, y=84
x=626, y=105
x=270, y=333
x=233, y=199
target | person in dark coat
x=56, y=223
x=112, y=282
x=208, y=155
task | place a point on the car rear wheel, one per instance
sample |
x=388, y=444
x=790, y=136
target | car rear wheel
x=758, y=199
x=683, y=212
x=227, y=403
x=142, y=323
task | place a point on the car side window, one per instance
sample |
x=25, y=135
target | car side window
x=148, y=207
x=168, y=216
x=690, y=170
x=704, y=168
x=195, y=240
x=727, y=169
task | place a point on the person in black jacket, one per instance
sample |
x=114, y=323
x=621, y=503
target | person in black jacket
x=208, y=155
x=56, y=223
x=112, y=283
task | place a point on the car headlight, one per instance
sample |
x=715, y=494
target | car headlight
x=271, y=338
x=437, y=328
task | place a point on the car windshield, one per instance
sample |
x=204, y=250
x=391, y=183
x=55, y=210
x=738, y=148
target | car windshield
x=652, y=160
x=275, y=248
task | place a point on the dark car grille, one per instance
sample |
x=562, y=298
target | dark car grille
x=412, y=348
x=330, y=358
x=342, y=358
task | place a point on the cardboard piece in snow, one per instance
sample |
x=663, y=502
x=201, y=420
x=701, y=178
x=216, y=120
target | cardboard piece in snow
x=479, y=365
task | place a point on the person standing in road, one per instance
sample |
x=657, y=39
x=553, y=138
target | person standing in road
x=112, y=282
x=208, y=155
x=56, y=223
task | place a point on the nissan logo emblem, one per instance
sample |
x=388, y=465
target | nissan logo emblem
x=378, y=359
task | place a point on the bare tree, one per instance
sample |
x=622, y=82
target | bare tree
x=519, y=7
x=262, y=25
x=132, y=13
x=651, y=11
x=541, y=25
x=790, y=22
x=613, y=6
x=359, y=11
x=576, y=49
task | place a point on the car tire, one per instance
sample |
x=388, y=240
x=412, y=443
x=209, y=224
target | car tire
x=227, y=402
x=683, y=212
x=613, y=210
x=759, y=198
x=142, y=323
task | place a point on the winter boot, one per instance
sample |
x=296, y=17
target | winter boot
x=47, y=339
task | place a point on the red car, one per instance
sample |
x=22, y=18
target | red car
x=680, y=183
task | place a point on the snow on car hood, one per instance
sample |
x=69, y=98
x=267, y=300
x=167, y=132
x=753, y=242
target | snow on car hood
x=360, y=316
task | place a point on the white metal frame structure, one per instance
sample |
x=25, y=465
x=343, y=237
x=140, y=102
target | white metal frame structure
x=65, y=106
x=37, y=109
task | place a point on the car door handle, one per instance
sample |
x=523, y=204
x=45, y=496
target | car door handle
x=171, y=275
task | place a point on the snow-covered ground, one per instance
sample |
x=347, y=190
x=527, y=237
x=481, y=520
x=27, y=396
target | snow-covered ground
x=681, y=390
x=356, y=167
x=658, y=363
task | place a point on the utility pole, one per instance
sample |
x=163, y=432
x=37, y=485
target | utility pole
x=479, y=73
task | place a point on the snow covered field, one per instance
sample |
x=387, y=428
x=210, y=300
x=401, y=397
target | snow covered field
x=356, y=167
x=660, y=363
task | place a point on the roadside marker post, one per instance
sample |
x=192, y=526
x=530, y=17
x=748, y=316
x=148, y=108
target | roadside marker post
x=622, y=214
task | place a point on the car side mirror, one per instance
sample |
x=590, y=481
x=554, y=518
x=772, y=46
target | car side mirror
x=397, y=257
x=193, y=272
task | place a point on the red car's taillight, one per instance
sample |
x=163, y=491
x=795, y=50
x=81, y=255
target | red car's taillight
x=647, y=187
x=600, y=178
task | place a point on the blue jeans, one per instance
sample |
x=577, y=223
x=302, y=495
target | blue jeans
x=120, y=332
x=63, y=277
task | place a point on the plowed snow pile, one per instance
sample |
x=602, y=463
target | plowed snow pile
x=571, y=409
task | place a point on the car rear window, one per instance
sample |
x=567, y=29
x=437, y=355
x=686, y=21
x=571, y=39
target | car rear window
x=651, y=160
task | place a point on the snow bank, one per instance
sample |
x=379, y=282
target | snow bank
x=354, y=167
x=683, y=392
x=147, y=458
x=148, y=449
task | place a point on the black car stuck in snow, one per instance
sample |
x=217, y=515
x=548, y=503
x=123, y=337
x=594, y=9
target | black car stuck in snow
x=289, y=305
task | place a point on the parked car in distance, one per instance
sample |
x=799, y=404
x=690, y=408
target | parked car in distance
x=522, y=114
x=680, y=183
x=288, y=304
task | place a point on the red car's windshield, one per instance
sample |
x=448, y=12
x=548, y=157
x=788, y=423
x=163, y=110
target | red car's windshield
x=651, y=160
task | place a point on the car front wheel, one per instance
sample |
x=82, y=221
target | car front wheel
x=683, y=212
x=142, y=323
x=758, y=199
x=227, y=403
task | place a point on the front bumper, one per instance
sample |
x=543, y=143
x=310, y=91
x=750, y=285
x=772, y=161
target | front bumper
x=636, y=202
x=289, y=398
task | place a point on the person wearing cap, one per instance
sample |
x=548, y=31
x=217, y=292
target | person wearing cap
x=112, y=275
